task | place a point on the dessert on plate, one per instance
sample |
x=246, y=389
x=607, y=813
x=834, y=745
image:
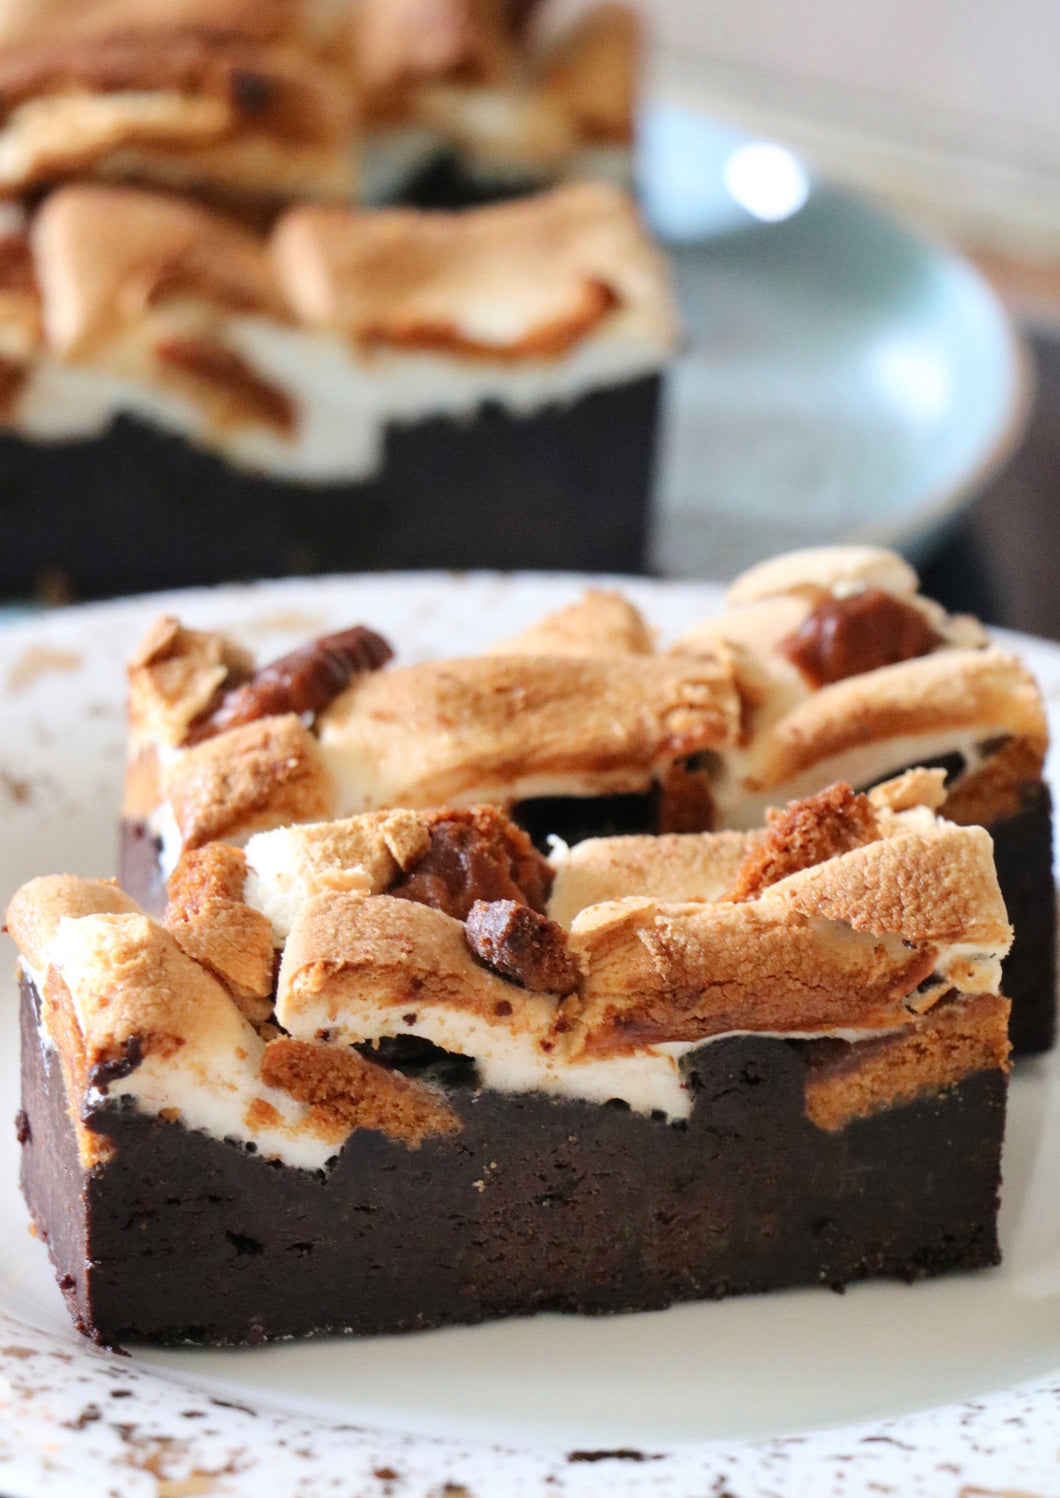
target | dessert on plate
x=827, y=665
x=189, y=400
x=397, y=1070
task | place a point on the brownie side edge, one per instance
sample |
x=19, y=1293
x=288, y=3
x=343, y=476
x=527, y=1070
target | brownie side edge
x=537, y=1204
x=567, y=486
x=1023, y=856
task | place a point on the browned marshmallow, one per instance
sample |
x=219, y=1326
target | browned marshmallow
x=531, y=278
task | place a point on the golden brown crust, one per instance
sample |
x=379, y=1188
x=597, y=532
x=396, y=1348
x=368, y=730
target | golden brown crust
x=671, y=867
x=816, y=571
x=227, y=384
x=936, y=887
x=399, y=43
x=362, y=855
x=956, y=1040
x=262, y=775
x=106, y=255
x=656, y=973
x=207, y=916
x=528, y=278
x=345, y=1092
x=600, y=623
x=130, y=982
x=453, y=732
x=62, y=134
x=84, y=101
x=351, y=958
x=948, y=692
x=36, y=909
x=916, y=787
x=174, y=675
x=592, y=69
x=810, y=831
x=23, y=21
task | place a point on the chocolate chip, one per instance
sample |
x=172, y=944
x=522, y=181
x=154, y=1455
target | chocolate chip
x=116, y=1067
x=304, y=682
x=522, y=945
x=22, y=1129
x=251, y=92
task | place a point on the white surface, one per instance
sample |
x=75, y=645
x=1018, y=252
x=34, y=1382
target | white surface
x=682, y=1385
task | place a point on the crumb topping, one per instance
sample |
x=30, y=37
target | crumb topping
x=344, y=1092
x=808, y=832
x=857, y=917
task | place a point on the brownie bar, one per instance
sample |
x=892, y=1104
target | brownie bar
x=536, y=1204
x=139, y=508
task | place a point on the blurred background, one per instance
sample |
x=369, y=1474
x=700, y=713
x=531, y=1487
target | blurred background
x=858, y=205
x=945, y=113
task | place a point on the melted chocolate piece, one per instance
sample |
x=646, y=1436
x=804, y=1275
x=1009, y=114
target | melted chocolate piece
x=105, y=1072
x=843, y=637
x=476, y=855
x=521, y=945
x=306, y=681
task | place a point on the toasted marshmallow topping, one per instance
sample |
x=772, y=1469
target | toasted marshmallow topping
x=501, y=728
x=159, y=307
x=850, y=945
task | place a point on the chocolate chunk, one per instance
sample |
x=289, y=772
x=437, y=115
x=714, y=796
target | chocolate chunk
x=306, y=681
x=476, y=855
x=846, y=636
x=22, y=1129
x=522, y=945
x=116, y=1067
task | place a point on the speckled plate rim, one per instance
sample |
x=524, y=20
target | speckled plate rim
x=78, y=1422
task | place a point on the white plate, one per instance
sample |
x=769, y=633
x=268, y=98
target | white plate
x=703, y=1390
x=842, y=376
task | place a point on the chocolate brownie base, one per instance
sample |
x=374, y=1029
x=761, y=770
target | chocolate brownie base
x=566, y=487
x=536, y=1204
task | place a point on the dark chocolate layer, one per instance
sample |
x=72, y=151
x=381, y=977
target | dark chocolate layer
x=564, y=487
x=537, y=1204
x=1023, y=854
